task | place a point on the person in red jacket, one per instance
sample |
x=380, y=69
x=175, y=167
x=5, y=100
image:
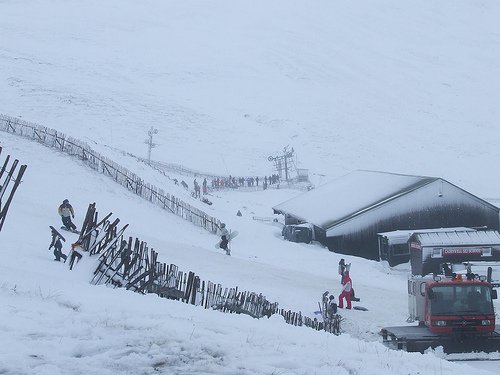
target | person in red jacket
x=346, y=291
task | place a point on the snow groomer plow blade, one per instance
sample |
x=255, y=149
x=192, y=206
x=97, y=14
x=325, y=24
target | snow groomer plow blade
x=419, y=339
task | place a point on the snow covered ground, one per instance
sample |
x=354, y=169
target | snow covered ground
x=384, y=85
x=54, y=322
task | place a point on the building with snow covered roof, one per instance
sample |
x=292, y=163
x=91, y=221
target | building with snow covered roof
x=348, y=212
x=393, y=246
x=430, y=250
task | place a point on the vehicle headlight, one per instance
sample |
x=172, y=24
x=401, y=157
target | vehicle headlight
x=440, y=323
x=486, y=322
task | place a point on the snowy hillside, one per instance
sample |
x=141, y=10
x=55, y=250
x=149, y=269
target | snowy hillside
x=385, y=85
x=55, y=322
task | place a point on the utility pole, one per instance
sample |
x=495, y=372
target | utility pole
x=287, y=154
x=150, y=143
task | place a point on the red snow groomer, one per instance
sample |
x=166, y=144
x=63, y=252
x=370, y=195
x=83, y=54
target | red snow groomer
x=454, y=311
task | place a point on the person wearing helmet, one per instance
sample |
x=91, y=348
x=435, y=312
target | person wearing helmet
x=66, y=211
x=224, y=233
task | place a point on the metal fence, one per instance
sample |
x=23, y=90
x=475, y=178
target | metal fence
x=75, y=148
x=136, y=267
x=132, y=265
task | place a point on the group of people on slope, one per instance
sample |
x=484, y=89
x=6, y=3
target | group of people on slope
x=67, y=213
x=347, y=292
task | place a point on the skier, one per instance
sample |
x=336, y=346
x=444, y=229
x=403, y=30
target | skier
x=66, y=211
x=224, y=235
x=196, y=189
x=324, y=304
x=346, y=291
x=341, y=269
x=57, y=244
x=205, y=186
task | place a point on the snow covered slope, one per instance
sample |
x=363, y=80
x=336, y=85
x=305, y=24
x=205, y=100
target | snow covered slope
x=384, y=85
x=54, y=322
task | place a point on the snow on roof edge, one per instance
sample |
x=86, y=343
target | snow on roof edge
x=380, y=203
x=405, y=187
